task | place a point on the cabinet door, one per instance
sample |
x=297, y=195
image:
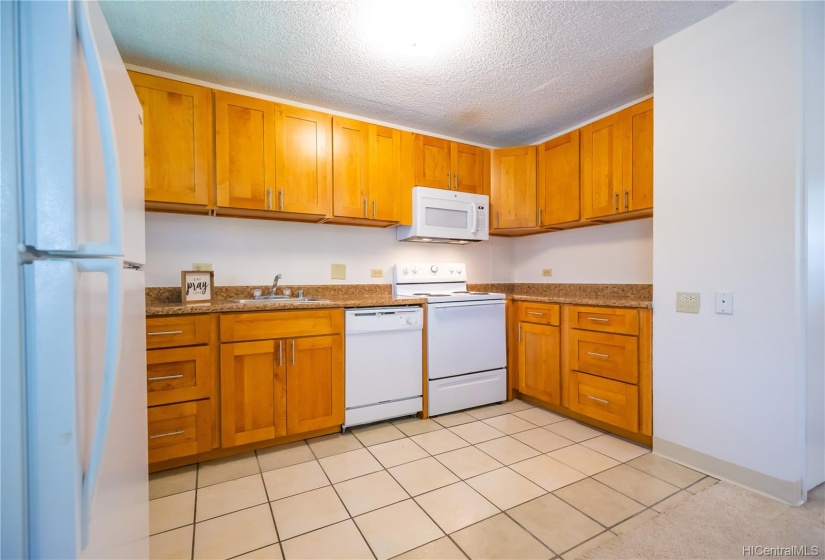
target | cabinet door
x=467, y=165
x=244, y=151
x=177, y=139
x=601, y=160
x=349, y=167
x=315, y=383
x=513, y=188
x=431, y=160
x=384, y=172
x=637, y=155
x=303, y=161
x=558, y=182
x=253, y=399
x=539, y=362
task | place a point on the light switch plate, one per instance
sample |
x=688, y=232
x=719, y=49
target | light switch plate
x=547, y=272
x=339, y=272
x=202, y=266
x=377, y=272
x=724, y=303
x=687, y=302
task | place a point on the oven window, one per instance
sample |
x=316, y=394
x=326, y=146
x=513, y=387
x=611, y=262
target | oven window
x=441, y=217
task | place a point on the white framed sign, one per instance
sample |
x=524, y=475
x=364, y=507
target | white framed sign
x=196, y=286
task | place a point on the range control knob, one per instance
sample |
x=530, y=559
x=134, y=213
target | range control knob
x=434, y=268
x=452, y=270
x=459, y=272
x=404, y=270
x=414, y=270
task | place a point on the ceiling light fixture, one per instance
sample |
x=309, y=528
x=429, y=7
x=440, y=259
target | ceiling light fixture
x=421, y=28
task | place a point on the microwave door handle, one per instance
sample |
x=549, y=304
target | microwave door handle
x=474, y=227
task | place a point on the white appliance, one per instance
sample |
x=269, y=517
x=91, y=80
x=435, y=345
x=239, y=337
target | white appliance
x=466, y=336
x=441, y=216
x=75, y=171
x=383, y=363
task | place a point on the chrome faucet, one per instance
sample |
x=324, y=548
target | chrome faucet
x=274, y=285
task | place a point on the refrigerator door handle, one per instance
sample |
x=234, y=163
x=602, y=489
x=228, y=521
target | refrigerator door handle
x=111, y=267
x=103, y=109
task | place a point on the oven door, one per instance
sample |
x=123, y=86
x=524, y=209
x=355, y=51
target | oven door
x=465, y=337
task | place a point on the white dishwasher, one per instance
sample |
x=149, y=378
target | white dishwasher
x=383, y=368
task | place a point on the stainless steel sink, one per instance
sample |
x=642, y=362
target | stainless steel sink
x=281, y=299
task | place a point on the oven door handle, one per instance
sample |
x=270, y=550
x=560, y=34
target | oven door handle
x=479, y=304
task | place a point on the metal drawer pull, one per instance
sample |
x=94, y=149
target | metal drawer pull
x=597, y=399
x=534, y=313
x=597, y=319
x=166, y=435
x=163, y=332
x=166, y=377
x=293, y=351
x=599, y=355
x=280, y=352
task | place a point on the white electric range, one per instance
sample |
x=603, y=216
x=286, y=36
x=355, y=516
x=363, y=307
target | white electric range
x=466, y=336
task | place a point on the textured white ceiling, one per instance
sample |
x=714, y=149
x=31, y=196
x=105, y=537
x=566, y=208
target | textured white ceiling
x=500, y=74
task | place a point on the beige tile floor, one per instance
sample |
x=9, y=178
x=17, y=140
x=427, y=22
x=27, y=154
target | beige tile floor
x=504, y=481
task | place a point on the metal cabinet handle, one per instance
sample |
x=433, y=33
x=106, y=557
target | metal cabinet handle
x=163, y=332
x=597, y=399
x=625, y=200
x=160, y=377
x=166, y=435
x=293, y=351
x=615, y=202
x=535, y=313
x=599, y=355
x=519, y=332
x=269, y=198
x=598, y=319
x=539, y=215
x=374, y=200
x=366, y=214
x=455, y=180
x=281, y=198
x=280, y=352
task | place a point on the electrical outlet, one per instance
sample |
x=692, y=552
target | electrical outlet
x=202, y=266
x=377, y=272
x=687, y=302
x=339, y=272
x=724, y=303
x=547, y=272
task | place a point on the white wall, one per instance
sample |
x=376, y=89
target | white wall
x=604, y=254
x=250, y=252
x=726, y=162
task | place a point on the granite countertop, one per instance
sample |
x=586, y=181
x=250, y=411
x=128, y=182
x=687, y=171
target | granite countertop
x=166, y=301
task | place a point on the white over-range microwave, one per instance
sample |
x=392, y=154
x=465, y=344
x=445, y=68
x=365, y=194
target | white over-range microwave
x=441, y=216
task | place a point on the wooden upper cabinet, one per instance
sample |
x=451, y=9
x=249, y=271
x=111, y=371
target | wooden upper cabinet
x=350, y=148
x=303, y=160
x=315, y=383
x=601, y=173
x=558, y=180
x=637, y=156
x=244, y=151
x=177, y=139
x=467, y=168
x=431, y=160
x=513, y=188
x=253, y=391
x=384, y=172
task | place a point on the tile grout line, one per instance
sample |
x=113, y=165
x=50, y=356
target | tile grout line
x=195, y=512
x=269, y=507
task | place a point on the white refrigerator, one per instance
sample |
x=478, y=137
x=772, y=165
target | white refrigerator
x=74, y=389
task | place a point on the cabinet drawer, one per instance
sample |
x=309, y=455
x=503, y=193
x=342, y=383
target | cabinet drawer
x=541, y=313
x=183, y=330
x=178, y=374
x=601, y=399
x=605, y=319
x=178, y=430
x=610, y=355
x=280, y=324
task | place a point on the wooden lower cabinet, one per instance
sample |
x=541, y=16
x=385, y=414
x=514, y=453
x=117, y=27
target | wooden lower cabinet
x=593, y=363
x=178, y=430
x=314, y=384
x=539, y=367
